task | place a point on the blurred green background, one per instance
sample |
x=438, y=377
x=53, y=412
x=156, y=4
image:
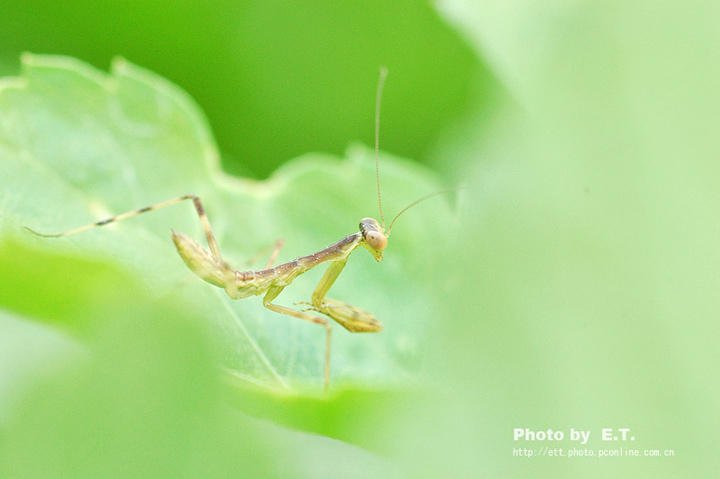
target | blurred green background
x=577, y=283
x=268, y=74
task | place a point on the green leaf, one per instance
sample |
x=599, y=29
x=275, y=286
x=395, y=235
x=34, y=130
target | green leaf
x=142, y=401
x=78, y=145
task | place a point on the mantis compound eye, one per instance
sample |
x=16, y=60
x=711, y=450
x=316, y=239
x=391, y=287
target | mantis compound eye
x=372, y=234
x=376, y=240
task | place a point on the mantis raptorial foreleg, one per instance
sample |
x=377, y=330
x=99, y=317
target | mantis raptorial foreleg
x=350, y=317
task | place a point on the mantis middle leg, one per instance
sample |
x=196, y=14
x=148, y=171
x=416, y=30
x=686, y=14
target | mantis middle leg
x=272, y=293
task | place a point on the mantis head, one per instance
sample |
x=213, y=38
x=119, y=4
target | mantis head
x=374, y=237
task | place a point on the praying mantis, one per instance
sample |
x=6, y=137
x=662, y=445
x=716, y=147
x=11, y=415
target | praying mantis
x=209, y=265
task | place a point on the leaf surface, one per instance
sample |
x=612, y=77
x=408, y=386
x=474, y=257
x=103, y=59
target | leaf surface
x=79, y=145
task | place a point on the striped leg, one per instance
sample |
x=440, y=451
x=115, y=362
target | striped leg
x=212, y=243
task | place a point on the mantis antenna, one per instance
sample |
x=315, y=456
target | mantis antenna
x=378, y=101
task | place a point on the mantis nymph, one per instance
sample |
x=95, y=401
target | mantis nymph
x=270, y=282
